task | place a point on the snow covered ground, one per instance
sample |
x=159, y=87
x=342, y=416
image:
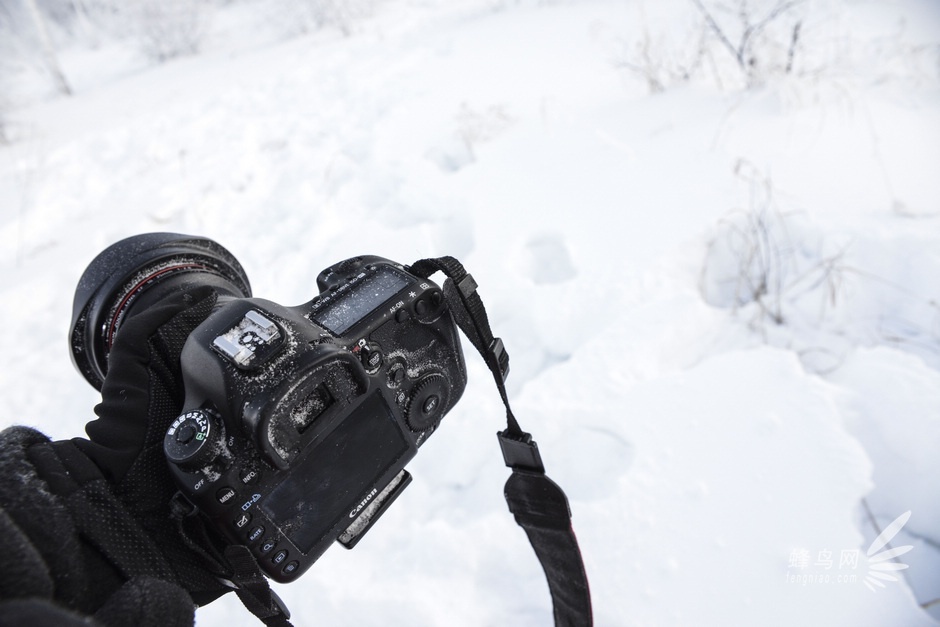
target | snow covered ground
x=721, y=302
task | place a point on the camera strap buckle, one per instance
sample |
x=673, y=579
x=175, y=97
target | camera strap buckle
x=520, y=452
x=538, y=504
x=499, y=354
x=467, y=285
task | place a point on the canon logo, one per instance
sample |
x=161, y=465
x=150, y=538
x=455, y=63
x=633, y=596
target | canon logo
x=355, y=512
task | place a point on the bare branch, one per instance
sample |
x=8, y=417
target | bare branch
x=791, y=51
x=713, y=25
x=744, y=47
x=48, y=52
x=754, y=29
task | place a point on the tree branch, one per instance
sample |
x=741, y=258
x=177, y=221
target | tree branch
x=718, y=32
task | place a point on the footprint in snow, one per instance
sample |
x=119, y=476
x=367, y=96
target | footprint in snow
x=548, y=260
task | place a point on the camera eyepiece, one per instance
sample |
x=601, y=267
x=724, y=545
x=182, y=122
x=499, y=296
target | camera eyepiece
x=138, y=272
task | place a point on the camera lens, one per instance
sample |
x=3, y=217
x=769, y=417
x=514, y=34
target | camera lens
x=134, y=274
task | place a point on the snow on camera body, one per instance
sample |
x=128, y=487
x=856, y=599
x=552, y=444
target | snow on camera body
x=299, y=421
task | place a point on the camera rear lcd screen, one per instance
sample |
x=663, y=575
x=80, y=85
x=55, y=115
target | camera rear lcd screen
x=336, y=474
x=361, y=299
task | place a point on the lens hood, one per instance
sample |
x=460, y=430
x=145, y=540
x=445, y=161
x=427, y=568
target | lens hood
x=137, y=272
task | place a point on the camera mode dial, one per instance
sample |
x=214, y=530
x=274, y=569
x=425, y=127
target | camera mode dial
x=428, y=402
x=194, y=440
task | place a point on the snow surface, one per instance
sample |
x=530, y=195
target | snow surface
x=715, y=460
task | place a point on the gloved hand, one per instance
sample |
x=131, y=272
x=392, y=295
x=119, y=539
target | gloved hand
x=141, y=395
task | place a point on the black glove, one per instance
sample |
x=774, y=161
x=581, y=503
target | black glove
x=88, y=526
x=141, y=395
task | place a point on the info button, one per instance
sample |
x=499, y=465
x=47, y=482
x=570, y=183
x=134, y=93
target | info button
x=249, y=476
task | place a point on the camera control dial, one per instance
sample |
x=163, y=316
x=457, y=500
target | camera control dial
x=428, y=402
x=194, y=440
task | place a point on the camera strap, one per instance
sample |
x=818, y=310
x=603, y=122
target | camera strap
x=539, y=505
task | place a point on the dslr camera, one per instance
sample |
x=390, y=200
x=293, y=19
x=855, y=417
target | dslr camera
x=298, y=422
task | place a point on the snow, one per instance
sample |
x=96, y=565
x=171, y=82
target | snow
x=714, y=459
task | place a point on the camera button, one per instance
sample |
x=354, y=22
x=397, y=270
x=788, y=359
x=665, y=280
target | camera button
x=185, y=434
x=427, y=403
x=421, y=307
x=268, y=545
x=255, y=533
x=371, y=358
x=430, y=405
x=291, y=567
x=279, y=557
x=225, y=495
x=249, y=476
x=396, y=374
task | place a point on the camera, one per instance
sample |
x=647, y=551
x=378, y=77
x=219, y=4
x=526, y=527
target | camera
x=298, y=422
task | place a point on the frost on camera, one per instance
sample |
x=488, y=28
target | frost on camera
x=246, y=339
x=341, y=310
x=310, y=407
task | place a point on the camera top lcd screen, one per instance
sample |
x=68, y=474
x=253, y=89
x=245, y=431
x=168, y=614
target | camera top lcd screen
x=360, y=299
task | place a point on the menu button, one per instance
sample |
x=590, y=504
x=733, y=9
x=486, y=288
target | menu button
x=225, y=495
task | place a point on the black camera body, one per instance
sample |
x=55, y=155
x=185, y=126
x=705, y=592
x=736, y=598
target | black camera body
x=298, y=421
